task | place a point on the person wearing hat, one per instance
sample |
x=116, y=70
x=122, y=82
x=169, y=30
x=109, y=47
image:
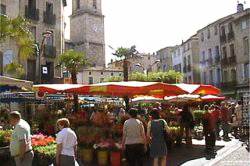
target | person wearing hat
x=134, y=139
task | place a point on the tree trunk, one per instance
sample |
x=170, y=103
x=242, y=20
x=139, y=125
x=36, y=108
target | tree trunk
x=125, y=70
x=74, y=81
x=125, y=78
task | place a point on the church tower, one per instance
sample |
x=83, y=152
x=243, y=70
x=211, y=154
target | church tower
x=87, y=30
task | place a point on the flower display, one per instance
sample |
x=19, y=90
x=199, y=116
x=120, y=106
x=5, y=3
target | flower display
x=116, y=146
x=41, y=140
x=5, y=136
x=102, y=145
x=44, y=146
x=108, y=144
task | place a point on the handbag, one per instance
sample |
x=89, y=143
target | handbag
x=167, y=136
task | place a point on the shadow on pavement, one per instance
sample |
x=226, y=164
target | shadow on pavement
x=180, y=154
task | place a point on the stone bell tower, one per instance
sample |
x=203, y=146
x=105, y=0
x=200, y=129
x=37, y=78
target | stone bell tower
x=87, y=30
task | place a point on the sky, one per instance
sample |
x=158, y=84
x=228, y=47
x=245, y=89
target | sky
x=155, y=24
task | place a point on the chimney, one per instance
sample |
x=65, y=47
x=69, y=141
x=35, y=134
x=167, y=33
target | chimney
x=240, y=8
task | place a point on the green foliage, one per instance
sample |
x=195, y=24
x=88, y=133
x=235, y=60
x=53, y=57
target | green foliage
x=47, y=151
x=17, y=29
x=137, y=76
x=72, y=60
x=122, y=52
x=14, y=69
x=5, y=29
x=113, y=79
x=5, y=137
x=170, y=77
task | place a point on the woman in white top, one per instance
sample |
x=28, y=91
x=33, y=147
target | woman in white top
x=134, y=139
x=66, y=144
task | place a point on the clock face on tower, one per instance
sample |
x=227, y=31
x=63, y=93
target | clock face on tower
x=95, y=28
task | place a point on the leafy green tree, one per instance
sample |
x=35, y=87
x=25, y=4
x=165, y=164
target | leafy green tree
x=113, y=79
x=171, y=77
x=138, y=76
x=17, y=29
x=72, y=61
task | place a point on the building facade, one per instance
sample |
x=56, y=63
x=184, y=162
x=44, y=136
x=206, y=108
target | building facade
x=190, y=58
x=87, y=30
x=142, y=63
x=224, y=54
x=97, y=74
x=177, y=58
x=209, y=54
x=165, y=57
x=241, y=26
x=43, y=16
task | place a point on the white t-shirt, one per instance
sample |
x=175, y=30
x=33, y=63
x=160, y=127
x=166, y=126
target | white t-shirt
x=132, y=131
x=68, y=139
x=21, y=131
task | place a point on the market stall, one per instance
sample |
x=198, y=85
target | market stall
x=99, y=128
x=8, y=83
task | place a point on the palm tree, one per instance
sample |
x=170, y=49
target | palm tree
x=124, y=54
x=72, y=61
x=17, y=29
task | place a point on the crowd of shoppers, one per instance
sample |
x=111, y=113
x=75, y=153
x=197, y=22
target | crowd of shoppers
x=138, y=133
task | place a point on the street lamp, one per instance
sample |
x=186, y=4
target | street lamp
x=40, y=51
x=146, y=70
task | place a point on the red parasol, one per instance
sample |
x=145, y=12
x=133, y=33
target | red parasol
x=132, y=88
x=54, y=88
x=199, y=89
x=209, y=98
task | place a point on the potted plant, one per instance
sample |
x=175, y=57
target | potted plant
x=44, y=149
x=86, y=148
x=5, y=136
x=115, y=154
x=102, y=152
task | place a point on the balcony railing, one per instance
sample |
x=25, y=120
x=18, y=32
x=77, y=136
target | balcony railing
x=49, y=51
x=228, y=85
x=49, y=18
x=32, y=13
x=224, y=61
x=232, y=59
x=230, y=36
x=223, y=38
x=217, y=59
